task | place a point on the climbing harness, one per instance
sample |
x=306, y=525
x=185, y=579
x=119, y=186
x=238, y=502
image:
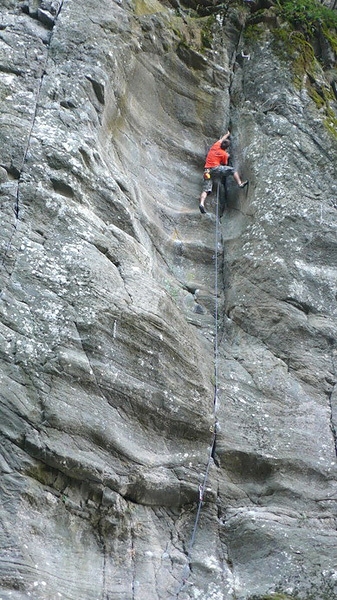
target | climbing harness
x=202, y=486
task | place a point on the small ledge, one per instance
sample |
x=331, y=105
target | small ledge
x=302, y=306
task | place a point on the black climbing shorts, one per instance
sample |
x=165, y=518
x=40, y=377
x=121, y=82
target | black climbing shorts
x=215, y=173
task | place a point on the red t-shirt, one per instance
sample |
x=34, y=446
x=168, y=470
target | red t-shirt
x=216, y=156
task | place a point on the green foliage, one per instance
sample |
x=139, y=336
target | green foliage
x=308, y=15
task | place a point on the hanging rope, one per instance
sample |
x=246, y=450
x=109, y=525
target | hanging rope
x=202, y=486
x=216, y=311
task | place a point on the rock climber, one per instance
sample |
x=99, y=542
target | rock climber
x=216, y=167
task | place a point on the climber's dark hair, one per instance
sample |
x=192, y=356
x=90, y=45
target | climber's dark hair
x=225, y=144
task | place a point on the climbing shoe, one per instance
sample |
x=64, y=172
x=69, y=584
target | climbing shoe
x=202, y=209
x=243, y=184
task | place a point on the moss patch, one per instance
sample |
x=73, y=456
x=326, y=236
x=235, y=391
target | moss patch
x=330, y=123
x=293, y=47
x=194, y=32
x=148, y=7
x=331, y=36
x=254, y=32
x=273, y=596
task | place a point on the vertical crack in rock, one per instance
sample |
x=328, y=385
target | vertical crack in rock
x=218, y=333
x=219, y=287
x=333, y=397
x=226, y=564
x=133, y=559
x=332, y=420
x=19, y=173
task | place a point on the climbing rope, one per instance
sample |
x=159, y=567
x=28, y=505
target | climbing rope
x=202, y=486
x=216, y=312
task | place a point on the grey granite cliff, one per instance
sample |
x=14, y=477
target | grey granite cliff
x=119, y=389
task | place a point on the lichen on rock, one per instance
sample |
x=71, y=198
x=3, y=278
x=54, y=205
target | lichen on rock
x=168, y=379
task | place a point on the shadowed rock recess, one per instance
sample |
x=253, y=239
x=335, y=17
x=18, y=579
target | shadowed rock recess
x=133, y=327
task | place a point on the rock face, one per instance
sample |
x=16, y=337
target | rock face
x=168, y=398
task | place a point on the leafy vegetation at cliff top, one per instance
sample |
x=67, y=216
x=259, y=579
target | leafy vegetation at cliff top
x=309, y=15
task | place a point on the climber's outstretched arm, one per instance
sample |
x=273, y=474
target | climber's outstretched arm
x=225, y=137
